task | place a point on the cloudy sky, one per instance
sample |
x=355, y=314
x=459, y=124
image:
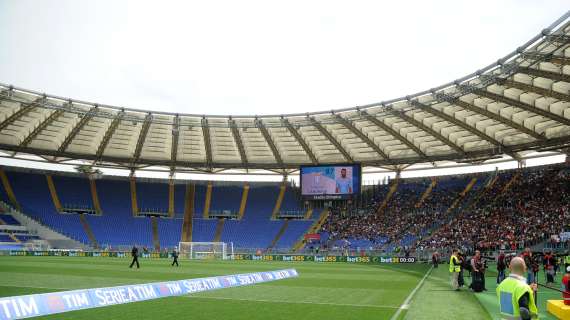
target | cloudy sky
x=255, y=57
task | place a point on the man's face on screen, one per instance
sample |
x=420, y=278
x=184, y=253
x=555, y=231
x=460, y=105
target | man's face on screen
x=343, y=173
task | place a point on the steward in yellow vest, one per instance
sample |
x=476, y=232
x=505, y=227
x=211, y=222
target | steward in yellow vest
x=454, y=269
x=516, y=298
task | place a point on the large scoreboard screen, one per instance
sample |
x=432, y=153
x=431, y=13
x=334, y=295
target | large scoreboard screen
x=329, y=182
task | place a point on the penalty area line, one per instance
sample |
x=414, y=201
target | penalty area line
x=299, y=302
x=406, y=304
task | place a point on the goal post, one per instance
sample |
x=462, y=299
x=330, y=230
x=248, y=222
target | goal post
x=206, y=250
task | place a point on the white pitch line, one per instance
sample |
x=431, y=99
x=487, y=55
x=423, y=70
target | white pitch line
x=406, y=303
x=299, y=302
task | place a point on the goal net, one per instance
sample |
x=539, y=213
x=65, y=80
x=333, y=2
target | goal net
x=206, y=250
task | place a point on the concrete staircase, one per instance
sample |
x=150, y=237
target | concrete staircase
x=393, y=188
x=155, y=238
x=279, y=201
x=188, y=213
x=427, y=192
x=208, y=201
x=219, y=229
x=88, y=231
x=134, y=203
x=94, y=196
x=278, y=235
x=314, y=228
x=243, y=202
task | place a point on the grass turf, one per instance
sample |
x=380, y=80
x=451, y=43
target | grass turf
x=322, y=291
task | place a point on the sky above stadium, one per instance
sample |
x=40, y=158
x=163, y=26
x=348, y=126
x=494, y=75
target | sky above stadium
x=255, y=57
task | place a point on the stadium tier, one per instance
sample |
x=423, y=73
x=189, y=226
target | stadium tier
x=62, y=202
x=405, y=214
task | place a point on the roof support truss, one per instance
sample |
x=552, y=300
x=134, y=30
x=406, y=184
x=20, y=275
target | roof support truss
x=175, y=137
x=301, y=141
x=108, y=134
x=54, y=115
x=537, y=90
x=239, y=142
x=561, y=60
x=69, y=138
x=545, y=74
x=489, y=114
x=521, y=105
x=270, y=142
x=420, y=125
x=455, y=121
x=142, y=138
x=362, y=136
x=207, y=142
x=464, y=126
x=25, y=108
x=392, y=132
x=332, y=140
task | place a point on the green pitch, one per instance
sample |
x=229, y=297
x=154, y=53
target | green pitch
x=322, y=291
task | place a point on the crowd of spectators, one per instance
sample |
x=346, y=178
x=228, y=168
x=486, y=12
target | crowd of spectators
x=532, y=209
x=535, y=207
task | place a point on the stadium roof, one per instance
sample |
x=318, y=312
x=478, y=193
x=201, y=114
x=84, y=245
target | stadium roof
x=519, y=104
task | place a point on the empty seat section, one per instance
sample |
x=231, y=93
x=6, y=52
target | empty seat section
x=169, y=231
x=117, y=226
x=203, y=230
x=255, y=230
x=32, y=193
x=226, y=198
x=73, y=191
x=152, y=196
x=295, y=230
x=291, y=201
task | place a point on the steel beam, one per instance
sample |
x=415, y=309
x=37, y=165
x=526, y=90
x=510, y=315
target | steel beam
x=301, y=141
x=530, y=88
x=207, y=142
x=108, y=134
x=556, y=59
x=332, y=139
x=347, y=124
x=54, y=115
x=175, y=137
x=142, y=138
x=544, y=74
x=270, y=142
x=69, y=138
x=521, y=105
x=423, y=127
x=464, y=126
x=25, y=108
x=239, y=142
x=393, y=132
x=508, y=122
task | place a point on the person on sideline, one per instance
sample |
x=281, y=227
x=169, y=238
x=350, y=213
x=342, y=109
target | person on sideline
x=454, y=269
x=135, y=255
x=516, y=297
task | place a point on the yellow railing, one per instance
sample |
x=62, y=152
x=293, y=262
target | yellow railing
x=280, y=197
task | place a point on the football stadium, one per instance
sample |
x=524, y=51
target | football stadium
x=449, y=203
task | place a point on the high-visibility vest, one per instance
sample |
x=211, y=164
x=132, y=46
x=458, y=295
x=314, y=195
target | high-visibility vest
x=567, y=259
x=454, y=264
x=509, y=292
